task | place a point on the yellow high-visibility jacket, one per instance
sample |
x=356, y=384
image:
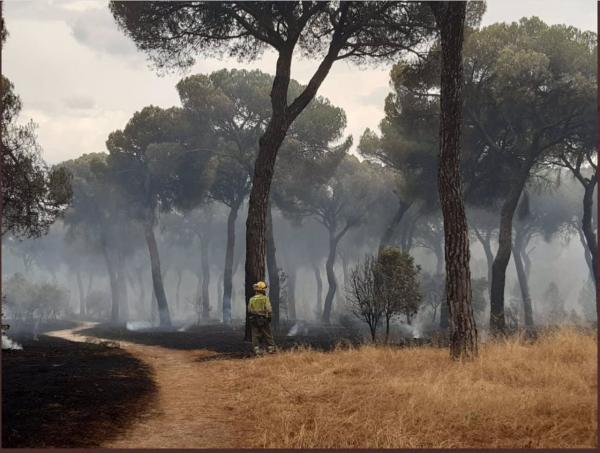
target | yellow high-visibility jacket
x=260, y=305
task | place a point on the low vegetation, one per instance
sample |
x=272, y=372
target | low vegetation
x=515, y=395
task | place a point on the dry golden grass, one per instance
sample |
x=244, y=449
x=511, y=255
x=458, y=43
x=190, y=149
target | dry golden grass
x=514, y=395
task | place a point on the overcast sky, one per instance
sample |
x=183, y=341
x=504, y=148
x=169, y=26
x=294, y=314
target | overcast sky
x=80, y=78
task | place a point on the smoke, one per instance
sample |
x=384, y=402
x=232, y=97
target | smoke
x=298, y=327
x=7, y=343
x=138, y=325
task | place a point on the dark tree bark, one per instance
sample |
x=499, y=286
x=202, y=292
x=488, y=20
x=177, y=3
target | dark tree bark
x=157, y=281
x=586, y=251
x=274, y=287
x=205, y=278
x=282, y=117
x=319, y=288
x=228, y=272
x=587, y=228
x=450, y=18
x=388, y=234
x=497, y=321
x=522, y=277
x=331, y=279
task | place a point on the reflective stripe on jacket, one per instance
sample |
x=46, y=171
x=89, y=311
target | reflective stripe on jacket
x=260, y=305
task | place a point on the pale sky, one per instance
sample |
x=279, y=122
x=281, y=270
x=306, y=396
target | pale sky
x=80, y=78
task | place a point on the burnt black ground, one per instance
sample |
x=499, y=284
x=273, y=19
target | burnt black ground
x=226, y=340
x=57, y=393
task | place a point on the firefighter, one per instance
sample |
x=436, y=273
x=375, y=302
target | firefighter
x=259, y=314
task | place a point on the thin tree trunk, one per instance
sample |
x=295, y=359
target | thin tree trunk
x=81, y=294
x=178, y=289
x=522, y=277
x=228, y=271
x=220, y=296
x=587, y=227
x=486, y=243
x=282, y=117
x=319, y=280
x=331, y=280
x=122, y=282
x=497, y=321
x=114, y=286
x=205, y=278
x=157, y=280
x=274, y=286
x=586, y=251
x=388, y=234
x=450, y=17
x=140, y=279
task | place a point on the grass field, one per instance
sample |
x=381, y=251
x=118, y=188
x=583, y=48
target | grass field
x=515, y=395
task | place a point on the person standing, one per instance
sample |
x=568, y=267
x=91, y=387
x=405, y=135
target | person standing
x=260, y=312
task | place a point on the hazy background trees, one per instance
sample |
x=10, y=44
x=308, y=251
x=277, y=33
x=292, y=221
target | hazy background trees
x=153, y=232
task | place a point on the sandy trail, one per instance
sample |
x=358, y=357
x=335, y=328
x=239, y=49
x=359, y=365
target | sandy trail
x=192, y=409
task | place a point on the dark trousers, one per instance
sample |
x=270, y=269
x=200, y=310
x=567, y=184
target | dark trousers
x=261, y=332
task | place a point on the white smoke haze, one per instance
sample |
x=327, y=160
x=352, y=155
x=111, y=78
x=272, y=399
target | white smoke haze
x=9, y=344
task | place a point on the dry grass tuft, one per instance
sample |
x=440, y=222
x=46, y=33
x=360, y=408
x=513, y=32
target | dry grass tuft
x=515, y=395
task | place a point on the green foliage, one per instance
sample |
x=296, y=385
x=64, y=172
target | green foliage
x=173, y=34
x=34, y=195
x=160, y=161
x=384, y=287
x=397, y=283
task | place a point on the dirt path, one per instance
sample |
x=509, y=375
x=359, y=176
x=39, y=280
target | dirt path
x=192, y=409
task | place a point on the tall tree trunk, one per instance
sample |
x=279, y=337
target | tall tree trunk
x=319, y=288
x=157, y=281
x=450, y=17
x=388, y=234
x=486, y=243
x=522, y=277
x=178, y=289
x=282, y=117
x=497, y=321
x=220, y=296
x=114, y=285
x=122, y=282
x=140, y=279
x=331, y=280
x=587, y=227
x=81, y=293
x=205, y=278
x=274, y=287
x=586, y=251
x=228, y=271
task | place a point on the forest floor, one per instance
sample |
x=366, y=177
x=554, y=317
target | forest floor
x=515, y=395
